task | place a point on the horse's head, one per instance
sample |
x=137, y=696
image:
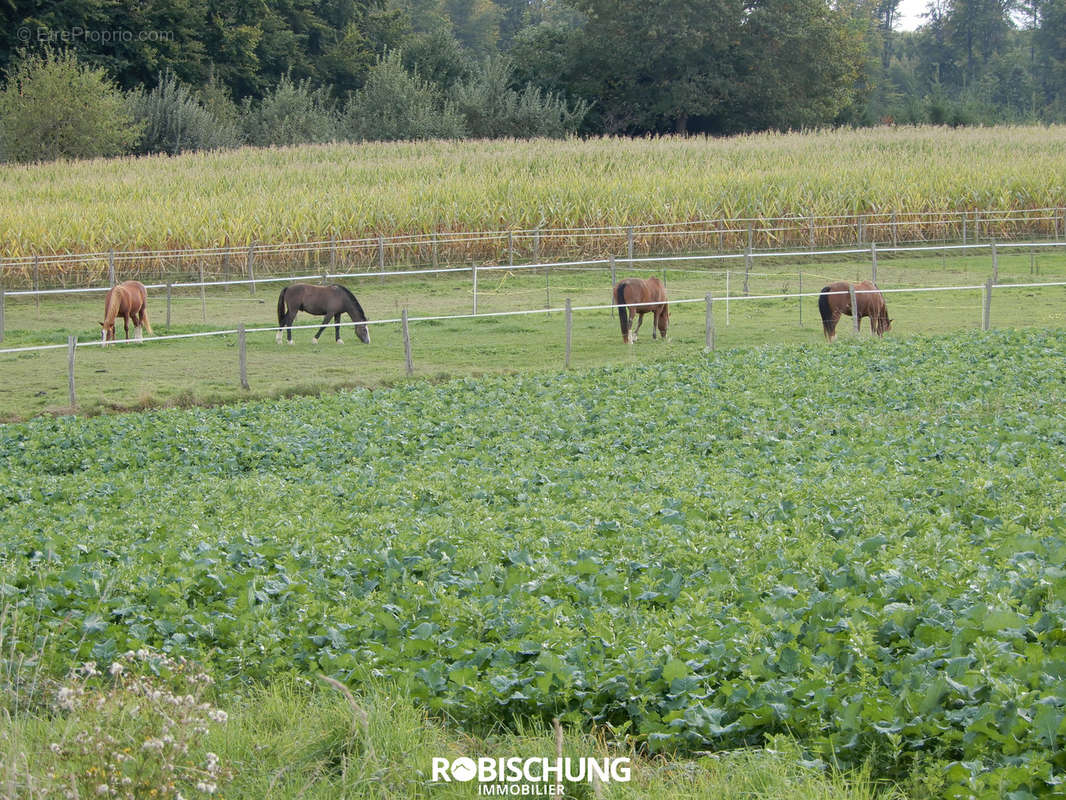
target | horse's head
x=882, y=325
x=664, y=320
x=107, y=332
x=363, y=332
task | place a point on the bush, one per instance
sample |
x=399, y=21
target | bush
x=53, y=107
x=493, y=109
x=175, y=121
x=291, y=113
x=395, y=104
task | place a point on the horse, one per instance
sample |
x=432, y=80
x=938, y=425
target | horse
x=835, y=299
x=331, y=300
x=128, y=300
x=635, y=296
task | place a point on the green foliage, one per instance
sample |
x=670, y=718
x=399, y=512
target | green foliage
x=860, y=547
x=396, y=104
x=173, y=120
x=291, y=113
x=493, y=109
x=53, y=106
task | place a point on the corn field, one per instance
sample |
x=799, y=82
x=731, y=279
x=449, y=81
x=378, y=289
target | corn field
x=426, y=202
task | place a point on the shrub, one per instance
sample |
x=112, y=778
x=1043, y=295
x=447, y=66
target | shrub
x=396, y=104
x=492, y=108
x=291, y=113
x=54, y=107
x=174, y=121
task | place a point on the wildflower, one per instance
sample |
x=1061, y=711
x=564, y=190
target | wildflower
x=55, y=748
x=67, y=697
x=218, y=715
x=103, y=788
x=117, y=669
x=153, y=744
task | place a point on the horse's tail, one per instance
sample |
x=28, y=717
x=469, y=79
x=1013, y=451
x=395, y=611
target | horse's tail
x=826, y=312
x=623, y=313
x=281, y=307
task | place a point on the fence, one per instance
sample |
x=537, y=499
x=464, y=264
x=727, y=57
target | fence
x=568, y=310
x=872, y=251
x=251, y=262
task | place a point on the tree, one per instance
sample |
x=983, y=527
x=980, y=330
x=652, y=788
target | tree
x=291, y=113
x=174, y=121
x=53, y=106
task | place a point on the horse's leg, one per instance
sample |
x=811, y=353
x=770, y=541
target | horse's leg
x=290, y=317
x=833, y=326
x=126, y=325
x=325, y=322
x=636, y=330
x=337, y=327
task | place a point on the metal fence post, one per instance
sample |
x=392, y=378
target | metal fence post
x=111, y=266
x=800, y=298
x=727, y=298
x=407, y=343
x=381, y=257
x=854, y=307
x=510, y=248
x=251, y=265
x=242, y=358
x=72, y=345
x=995, y=263
x=474, y=272
x=1, y=314
x=873, y=257
x=708, y=327
x=629, y=246
x=203, y=295
x=747, y=267
x=170, y=288
x=37, y=281
x=569, y=330
x=986, y=320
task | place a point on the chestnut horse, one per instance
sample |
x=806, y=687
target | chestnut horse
x=130, y=301
x=835, y=299
x=329, y=300
x=634, y=297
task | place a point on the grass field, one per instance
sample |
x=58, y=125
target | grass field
x=353, y=191
x=205, y=370
x=848, y=555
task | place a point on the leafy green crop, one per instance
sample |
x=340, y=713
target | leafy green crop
x=860, y=545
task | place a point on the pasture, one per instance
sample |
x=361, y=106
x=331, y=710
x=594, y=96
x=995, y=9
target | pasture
x=853, y=551
x=205, y=370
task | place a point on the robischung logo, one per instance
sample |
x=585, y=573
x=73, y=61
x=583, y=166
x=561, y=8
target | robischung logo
x=529, y=777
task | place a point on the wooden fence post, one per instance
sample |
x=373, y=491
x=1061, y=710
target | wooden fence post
x=435, y=259
x=170, y=288
x=895, y=230
x=569, y=331
x=986, y=319
x=629, y=245
x=810, y=222
x=333, y=252
x=251, y=265
x=548, y=289
x=801, y=298
x=510, y=248
x=614, y=281
x=381, y=257
x=708, y=327
x=536, y=244
x=1, y=314
x=111, y=266
x=854, y=308
x=873, y=256
x=474, y=272
x=407, y=343
x=72, y=345
x=995, y=263
x=242, y=357
x=37, y=281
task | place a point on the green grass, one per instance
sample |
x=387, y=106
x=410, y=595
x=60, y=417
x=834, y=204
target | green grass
x=205, y=370
x=291, y=740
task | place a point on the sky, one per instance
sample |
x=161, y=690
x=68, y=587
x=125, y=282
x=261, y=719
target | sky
x=910, y=14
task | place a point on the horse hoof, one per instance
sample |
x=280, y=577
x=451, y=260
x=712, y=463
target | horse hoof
x=277, y=339
x=314, y=340
x=291, y=341
x=340, y=341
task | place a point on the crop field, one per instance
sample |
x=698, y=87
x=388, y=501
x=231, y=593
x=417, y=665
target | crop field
x=858, y=547
x=205, y=370
x=353, y=191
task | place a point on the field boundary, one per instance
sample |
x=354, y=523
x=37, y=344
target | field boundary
x=750, y=234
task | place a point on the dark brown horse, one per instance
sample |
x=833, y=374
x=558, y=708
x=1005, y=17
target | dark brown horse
x=634, y=297
x=128, y=300
x=835, y=299
x=329, y=300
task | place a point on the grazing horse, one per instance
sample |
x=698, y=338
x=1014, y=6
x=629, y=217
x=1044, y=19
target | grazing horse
x=128, y=300
x=835, y=299
x=329, y=300
x=634, y=297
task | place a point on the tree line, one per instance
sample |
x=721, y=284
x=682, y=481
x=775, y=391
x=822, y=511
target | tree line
x=98, y=77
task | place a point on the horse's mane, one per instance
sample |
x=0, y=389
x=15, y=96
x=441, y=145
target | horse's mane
x=351, y=297
x=114, y=301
